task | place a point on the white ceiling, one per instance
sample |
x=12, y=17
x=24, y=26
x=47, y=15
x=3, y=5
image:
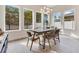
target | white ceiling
x=51, y=6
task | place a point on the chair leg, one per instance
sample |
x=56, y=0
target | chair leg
x=39, y=41
x=31, y=45
x=49, y=43
x=27, y=41
x=54, y=41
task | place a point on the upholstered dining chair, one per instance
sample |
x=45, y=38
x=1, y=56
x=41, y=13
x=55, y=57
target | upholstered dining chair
x=51, y=35
x=46, y=37
x=54, y=34
x=57, y=34
x=4, y=43
x=32, y=37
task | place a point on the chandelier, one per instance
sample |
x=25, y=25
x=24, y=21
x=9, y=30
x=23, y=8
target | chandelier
x=46, y=9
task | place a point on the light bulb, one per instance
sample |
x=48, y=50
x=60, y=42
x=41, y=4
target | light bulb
x=41, y=9
x=51, y=9
x=44, y=7
x=48, y=11
x=47, y=8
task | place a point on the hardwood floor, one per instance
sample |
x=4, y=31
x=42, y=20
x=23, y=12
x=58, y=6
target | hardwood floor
x=67, y=45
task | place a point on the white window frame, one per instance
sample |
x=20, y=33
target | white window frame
x=54, y=19
x=32, y=17
x=47, y=19
x=35, y=16
x=72, y=23
x=5, y=19
x=41, y=17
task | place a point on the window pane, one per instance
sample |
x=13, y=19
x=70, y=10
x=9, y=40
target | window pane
x=45, y=21
x=27, y=19
x=12, y=18
x=69, y=19
x=38, y=17
x=57, y=19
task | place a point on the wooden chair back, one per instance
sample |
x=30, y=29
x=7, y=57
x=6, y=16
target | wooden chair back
x=29, y=34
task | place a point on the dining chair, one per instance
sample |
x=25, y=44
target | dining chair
x=57, y=34
x=51, y=35
x=4, y=44
x=1, y=32
x=33, y=38
x=54, y=34
x=46, y=37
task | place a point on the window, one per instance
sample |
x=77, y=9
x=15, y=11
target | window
x=38, y=17
x=12, y=18
x=27, y=19
x=57, y=19
x=69, y=19
x=45, y=21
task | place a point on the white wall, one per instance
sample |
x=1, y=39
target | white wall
x=2, y=17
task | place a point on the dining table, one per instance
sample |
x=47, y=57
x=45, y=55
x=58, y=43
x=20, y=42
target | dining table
x=42, y=32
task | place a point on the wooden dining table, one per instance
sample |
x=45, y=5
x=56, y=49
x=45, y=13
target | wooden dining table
x=42, y=32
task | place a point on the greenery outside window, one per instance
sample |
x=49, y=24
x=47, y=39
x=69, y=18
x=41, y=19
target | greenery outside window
x=11, y=18
x=27, y=19
x=38, y=17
